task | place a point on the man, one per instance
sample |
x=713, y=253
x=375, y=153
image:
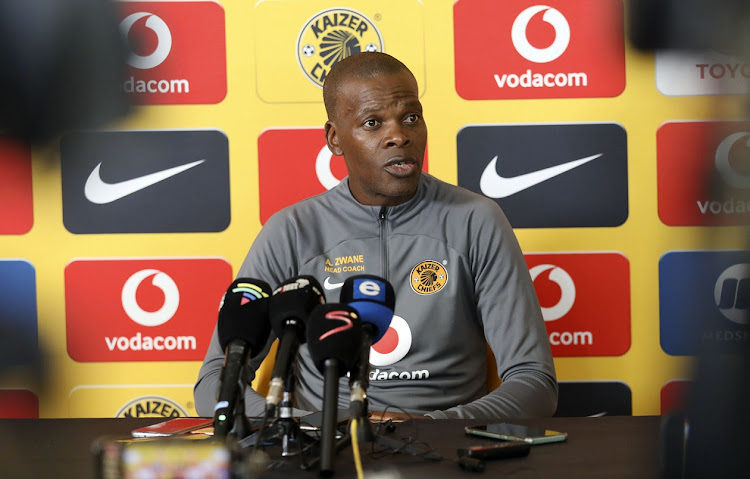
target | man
x=457, y=270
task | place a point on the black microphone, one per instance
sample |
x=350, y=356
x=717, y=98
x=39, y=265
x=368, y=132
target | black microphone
x=374, y=300
x=243, y=330
x=289, y=308
x=333, y=335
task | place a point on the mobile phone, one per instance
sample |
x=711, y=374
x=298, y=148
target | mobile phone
x=499, y=450
x=516, y=432
x=172, y=427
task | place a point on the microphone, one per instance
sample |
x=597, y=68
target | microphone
x=374, y=300
x=333, y=334
x=289, y=307
x=243, y=330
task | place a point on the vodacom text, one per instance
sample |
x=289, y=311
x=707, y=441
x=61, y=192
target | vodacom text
x=378, y=375
x=149, y=343
x=541, y=80
x=133, y=85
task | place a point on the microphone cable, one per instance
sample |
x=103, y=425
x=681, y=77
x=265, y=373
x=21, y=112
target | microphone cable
x=355, y=448
x=411, y=440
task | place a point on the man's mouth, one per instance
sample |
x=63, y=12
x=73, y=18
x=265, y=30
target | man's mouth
x=401, y=167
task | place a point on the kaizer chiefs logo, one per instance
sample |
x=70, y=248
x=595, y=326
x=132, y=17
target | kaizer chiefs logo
x=428, y=277
x=331, y=36
x=151, y=406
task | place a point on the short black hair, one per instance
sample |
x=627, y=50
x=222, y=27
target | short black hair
x=362, y=66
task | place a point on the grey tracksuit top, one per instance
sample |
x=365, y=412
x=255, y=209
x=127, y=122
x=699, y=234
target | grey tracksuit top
x=460, y=280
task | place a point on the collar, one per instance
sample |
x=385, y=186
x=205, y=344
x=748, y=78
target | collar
x=393, y=211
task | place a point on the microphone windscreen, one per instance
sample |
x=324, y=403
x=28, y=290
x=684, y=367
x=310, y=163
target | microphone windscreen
x=294, y=300
x=376, y=315
x=243, y=314
x=373, y=298
x=334, y=331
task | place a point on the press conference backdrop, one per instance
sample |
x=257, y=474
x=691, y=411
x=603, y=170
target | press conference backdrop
x=116, y=253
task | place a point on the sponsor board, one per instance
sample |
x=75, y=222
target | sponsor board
x=703, y=173
x=18, y=311
x=18, y=404
x=298, y=41
x=177, y=52
x=585, y=300
x=132, y=400
x=703, y=301
x=594, y=399
x=142, y=309
x=673, y=396
x=159, y=181
x=710, y=72
x=294, y=164
x=548, y=175
x=16, y=202
x=530, y=49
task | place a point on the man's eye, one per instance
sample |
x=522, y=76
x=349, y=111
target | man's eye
x=412, y=118
x=371, y=123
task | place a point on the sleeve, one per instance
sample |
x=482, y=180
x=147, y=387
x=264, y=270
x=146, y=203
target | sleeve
x=271, y=258
x=511, y=317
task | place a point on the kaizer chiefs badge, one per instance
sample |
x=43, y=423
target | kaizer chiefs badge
x=428, y=277
x=331, y=36
x=152, y=406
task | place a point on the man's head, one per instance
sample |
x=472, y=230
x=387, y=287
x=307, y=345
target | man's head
x=375, y=121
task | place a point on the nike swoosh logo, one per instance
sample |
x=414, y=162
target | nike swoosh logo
x=496, y=186
x=99, y=192
x=328, y=285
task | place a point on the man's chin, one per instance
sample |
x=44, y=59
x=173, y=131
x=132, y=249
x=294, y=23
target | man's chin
x=401, y=195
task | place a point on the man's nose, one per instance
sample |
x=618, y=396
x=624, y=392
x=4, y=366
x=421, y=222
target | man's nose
x=395, y=136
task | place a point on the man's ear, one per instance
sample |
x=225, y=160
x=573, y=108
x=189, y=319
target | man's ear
x=332, y=139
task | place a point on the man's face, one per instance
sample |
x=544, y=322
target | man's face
x=379, y=129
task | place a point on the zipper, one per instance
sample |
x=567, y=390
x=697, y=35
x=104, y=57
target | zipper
x=382, y=216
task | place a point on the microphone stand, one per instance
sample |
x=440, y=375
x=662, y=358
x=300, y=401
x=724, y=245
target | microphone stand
x=330, y=413
x=232, y=420
x=285, y=430
x=241, y=427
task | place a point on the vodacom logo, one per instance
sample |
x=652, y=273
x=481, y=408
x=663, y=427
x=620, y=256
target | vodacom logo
x=394, y=345
x=323, y=169
x=530, y=52
x=150, y=318
x=163, y=38
x=724, y=156
x=567, y=290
